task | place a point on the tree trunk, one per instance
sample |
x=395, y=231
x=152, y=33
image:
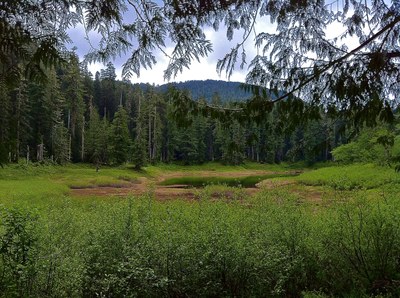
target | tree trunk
x=83, y=139
x=39, y=152
x=149, y=145
x=69, y=119
x=154, y=134
x=18, y=115
x=69, y=147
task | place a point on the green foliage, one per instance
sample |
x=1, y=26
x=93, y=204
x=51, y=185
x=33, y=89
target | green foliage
x=230, y=139
x=351, y=152
x=372, y=145
x=358, y=176
x=217, y=166
x=60, y=137
x=294, y=67
x=138, y=155
x=73, y=89
x=248, y=181
x=18, y=251
x=120, y=139
x=20, y=184
x=207, y=89
x=62, y=116
x=363, y=243
x=3, y=154
x=206, y=248
x=223, y=244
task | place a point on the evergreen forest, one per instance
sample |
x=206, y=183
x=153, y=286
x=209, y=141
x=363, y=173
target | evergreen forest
x=285, y=186
x=73, y=116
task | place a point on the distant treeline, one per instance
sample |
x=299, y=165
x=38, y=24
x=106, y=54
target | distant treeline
x=73, y=116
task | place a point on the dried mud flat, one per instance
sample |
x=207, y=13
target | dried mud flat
x=152, y=187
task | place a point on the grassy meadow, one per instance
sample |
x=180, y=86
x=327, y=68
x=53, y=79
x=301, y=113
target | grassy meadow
x=275, y=243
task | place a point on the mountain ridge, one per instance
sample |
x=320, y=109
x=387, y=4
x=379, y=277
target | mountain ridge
x=207, y=89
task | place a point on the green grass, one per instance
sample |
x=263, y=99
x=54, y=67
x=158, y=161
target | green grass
x=30, y=189
x=246, y=182
x=215, y=166
x=349, y=177
x=265, y=246
x=53, y=245
x=43, y=181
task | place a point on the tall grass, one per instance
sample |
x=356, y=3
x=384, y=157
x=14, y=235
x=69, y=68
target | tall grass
x=22, y=182
x=357, y=176
x=247, y=181
x=269, y=246
x=215, y=166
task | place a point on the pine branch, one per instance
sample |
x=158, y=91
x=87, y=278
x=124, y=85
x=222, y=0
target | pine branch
x=339, y=60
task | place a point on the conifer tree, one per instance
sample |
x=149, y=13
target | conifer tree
x=73, y=90
x=54, y=100
x=4, y=122
x=93, y=146
x=153, y=124
x=139, y=147
x=45, y=113
x=20, y=119
x=109, y=100
x=120, y=139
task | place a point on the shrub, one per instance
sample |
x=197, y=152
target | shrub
x=361, y=249
x=270, y=245
x=372, y=145
x=18, y=252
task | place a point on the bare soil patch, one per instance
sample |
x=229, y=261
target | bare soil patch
x=151, y=186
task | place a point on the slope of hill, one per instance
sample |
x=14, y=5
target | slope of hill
x=227, y=91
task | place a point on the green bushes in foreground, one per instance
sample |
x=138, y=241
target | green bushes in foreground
x=271, y=246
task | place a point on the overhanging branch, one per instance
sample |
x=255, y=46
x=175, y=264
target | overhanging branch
x=341, y=59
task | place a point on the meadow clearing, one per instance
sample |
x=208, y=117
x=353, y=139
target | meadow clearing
x=211, y=231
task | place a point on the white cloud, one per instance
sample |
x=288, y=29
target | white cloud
x=203, y=70
x=206, y=69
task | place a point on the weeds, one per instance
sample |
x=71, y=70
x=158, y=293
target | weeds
x=141, y=247
x=352, y=177
x=247, y=181
x=269, y=245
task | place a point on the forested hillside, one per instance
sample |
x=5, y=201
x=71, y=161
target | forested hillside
x=73, y=116
x=227, y=91
x=192, y=198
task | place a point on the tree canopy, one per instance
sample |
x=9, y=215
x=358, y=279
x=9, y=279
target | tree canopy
x=308, y=55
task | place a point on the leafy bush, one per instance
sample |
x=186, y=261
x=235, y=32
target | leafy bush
x=270, y=245
x=18, y=250
x=372, y=145
x=363, y=246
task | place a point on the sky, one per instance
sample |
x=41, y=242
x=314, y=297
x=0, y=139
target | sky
x=206, y=69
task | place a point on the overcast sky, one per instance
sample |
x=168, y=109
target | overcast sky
x=206, y=69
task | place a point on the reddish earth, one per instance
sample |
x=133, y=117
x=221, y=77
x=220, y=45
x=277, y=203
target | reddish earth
x=152, y=187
